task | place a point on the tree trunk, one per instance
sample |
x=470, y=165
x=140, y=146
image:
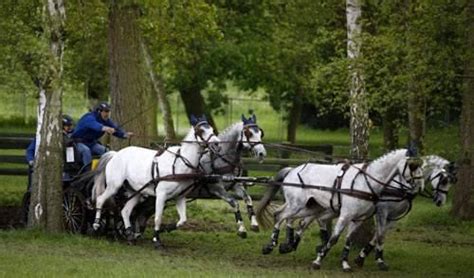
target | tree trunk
x=463, y=202
x=130, y=93
x=359, y=125
x=294, y=117
x=159, y=88
x=390, y=129
x=358, y=107
x=194, y=104
x=416, y=117
x=46, y=210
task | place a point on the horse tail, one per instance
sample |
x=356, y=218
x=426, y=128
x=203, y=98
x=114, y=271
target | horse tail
x=263, y=211
x=99, y=175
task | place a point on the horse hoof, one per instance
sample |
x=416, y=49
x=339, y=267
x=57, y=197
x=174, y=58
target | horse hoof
x=96, y=226
x=159, y=246
x=346, y=267
x=285, y=248
x=254, y=228
x=316, y=266
x=242, y=234
x=359, y=261
x=382, y=266
x=267, y=249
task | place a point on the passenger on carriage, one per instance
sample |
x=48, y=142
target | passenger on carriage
x=68, y=128
x=91, y=127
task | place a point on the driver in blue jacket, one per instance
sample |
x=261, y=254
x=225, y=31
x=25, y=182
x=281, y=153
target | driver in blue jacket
x=91, y=127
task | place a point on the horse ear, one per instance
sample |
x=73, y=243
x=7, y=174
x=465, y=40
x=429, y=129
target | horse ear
x=412, y=150
x=254, y=118
x=243, y=118
x=203, y=117
x=193, y=120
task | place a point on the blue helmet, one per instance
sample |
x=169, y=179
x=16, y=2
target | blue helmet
x=67, y=120
x=103, y=106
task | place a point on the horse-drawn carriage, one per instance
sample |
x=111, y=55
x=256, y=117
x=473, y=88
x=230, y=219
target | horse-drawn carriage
x=140, y=181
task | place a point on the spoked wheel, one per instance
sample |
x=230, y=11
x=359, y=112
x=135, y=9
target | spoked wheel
x=74, y=207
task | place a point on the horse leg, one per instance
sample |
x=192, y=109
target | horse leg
x=381, y=232
x=359, y=261
x=324, y=223
x=280, y=216
x=181, y=208
x=340, y=226
x=287, y=247
x=159, y=207
x=219, y=191
x=110, y=190
x=126, y=212
x=242, y=193
x=353, y=225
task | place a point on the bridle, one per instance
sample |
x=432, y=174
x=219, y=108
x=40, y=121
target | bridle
x=444, y=178
x=199, y=131
x=247, y=134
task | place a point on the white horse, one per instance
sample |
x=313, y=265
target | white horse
x=350, y=191
x=170, y=174
x=233, y=140
x=392, y=206
x=436, y=170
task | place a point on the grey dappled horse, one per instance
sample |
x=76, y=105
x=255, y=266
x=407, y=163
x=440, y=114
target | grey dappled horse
x=244, y=135
x=392, y=206
x=347, y=190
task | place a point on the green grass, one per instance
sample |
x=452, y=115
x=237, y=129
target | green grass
x=209, y=247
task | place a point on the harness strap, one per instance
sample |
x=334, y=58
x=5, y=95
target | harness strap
x=337, y=186
x=354, y=193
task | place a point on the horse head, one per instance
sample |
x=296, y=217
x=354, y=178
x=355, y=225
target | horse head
x=441, y=179
x=403, y=167
x=204, y=133
x=251, y=137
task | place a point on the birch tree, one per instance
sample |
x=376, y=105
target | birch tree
x=46, y=199
x=359, y=122
x=359, y=111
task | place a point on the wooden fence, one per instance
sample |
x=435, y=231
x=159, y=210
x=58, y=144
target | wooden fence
x=281, y=155
x=14, y=164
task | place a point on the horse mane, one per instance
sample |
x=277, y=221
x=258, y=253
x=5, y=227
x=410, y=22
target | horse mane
x=223, y=136
x=228, y=135
x=435, y=161
x=189, y=136
x=390, y=154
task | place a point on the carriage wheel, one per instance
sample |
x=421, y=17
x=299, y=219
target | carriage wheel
x=74, y=211
x=25, y=208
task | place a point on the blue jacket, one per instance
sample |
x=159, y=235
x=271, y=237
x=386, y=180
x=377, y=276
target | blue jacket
x=89, y=128
x=30, y=151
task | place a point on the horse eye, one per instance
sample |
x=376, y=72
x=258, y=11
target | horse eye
x=248, y=133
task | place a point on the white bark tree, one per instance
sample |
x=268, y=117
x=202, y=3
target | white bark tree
x=359, y=126
x=359, y=122
x=46, y=199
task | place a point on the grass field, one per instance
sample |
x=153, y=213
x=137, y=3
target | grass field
x=428, y=243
